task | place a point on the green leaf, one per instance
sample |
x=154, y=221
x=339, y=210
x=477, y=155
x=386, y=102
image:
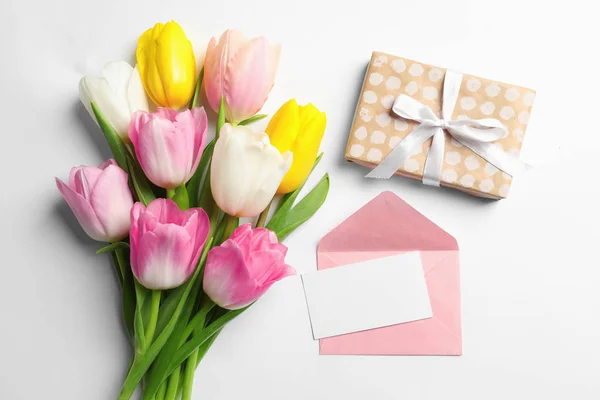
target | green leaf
x=305, y=209
x=118, y=270
x=112, y=137
x=142, y=362
x=181, y=198
x=121, y=258
x=141, y=185
x=196, y=98
x=287, y=202
x=138, y=323
x=255, y=118
x=113, y=247
x=194, y=184
x=203, y=349
x=220, y=118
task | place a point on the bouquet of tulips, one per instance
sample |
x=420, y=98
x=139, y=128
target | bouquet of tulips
x=169, y=204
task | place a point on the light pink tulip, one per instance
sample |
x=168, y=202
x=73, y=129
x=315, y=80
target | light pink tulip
x=240, y=70
x=100, y=199
x=241, y=270
x=166, y=242
x=169, y=144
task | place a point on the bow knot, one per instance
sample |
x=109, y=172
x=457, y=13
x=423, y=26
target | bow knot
x=442, y=123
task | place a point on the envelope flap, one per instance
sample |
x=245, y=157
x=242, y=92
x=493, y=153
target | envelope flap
x=387, y=223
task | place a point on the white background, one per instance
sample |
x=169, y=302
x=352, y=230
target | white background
x=530, y=264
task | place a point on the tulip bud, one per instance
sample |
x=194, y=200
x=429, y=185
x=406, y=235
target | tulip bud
x=244, y=267
x=100, y=199
x=246, y=171
x=167, y=65
x=117, y=94
x=298, y=129
x=169, y=144
x=166, y=243
x=241, y=71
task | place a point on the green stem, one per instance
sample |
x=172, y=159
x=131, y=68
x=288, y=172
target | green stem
x=154, y=307
x=170, y=193
x=195, y=325
x=173, y=384
x=118, y=267
x=196, y=98
x=230, y=224
x=140, y=292
x=220, y=118
x=188, y=377
x=263, y=215
x=162, y=390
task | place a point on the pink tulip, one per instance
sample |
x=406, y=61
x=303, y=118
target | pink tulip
x=166, y=242
x=241, y=71
x=241, y=270
x=100, y=199
x=169, y=144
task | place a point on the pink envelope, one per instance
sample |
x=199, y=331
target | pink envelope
x=386, y=226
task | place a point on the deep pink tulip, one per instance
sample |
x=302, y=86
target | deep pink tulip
x=240, y=70
x=166, y=242
x=241, y=270
x=100, y=199
x=169, y=144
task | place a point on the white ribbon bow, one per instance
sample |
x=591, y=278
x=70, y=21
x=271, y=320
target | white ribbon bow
x=477, y=135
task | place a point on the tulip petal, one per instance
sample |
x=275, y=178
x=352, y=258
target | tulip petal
x=136, y=93
x=136, y=229
x=249, y=77
x=200, y=130
x=146, y=56
x=113, y=210
x=284, y=127
x=166, y=211
x=83, y=212
x=163, y=257
x=86, y=97
x=269, y=267
x=159, y=151
x=109, y=101
x=166, y=113
x=226, y=278
x=176, y=63
x=218, y=55
x=212, y=74
x=246, y=171
x=201, y=234
x=91, y=175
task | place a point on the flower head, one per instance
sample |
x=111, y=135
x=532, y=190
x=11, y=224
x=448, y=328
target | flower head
x=166, y=243
x=100, y=199
x=244, y=267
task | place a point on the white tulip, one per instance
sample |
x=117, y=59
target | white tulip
x=246, y=171
x=117, y=94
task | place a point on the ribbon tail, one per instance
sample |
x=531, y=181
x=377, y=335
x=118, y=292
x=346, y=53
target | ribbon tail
x=496, y=156
x=435, y=159
x=407, y=147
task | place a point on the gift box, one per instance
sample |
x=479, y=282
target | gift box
x=440, y=126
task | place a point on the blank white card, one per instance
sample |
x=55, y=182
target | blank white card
x=366, y=295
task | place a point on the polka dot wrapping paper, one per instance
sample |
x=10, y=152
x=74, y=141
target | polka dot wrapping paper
x=376, y=130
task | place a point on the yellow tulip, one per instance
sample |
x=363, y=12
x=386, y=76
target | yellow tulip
x=167, y=65
x=298, y=129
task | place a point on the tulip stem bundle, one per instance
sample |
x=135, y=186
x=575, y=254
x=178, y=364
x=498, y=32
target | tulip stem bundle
x=170, y=204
